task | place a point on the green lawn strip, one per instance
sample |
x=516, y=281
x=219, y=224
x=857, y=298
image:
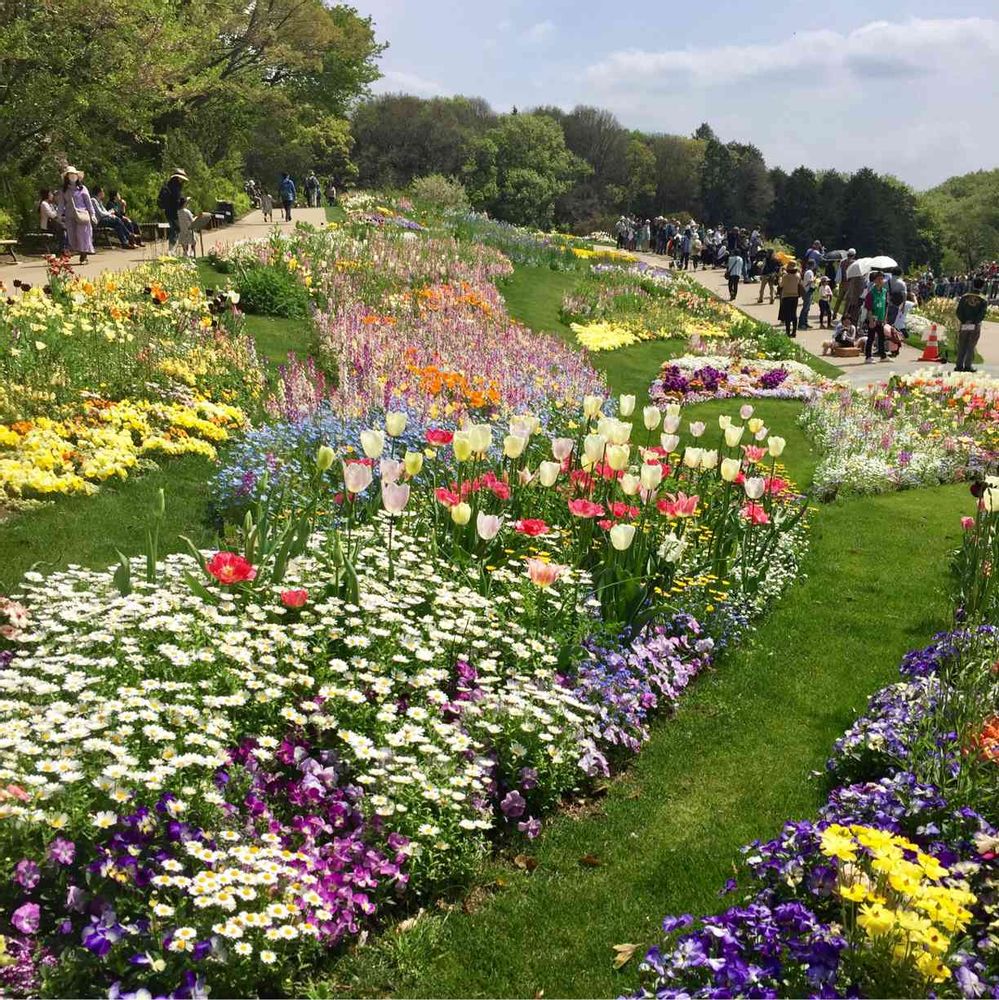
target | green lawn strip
x=87, y=530
x=334, y=213
x=731, y=766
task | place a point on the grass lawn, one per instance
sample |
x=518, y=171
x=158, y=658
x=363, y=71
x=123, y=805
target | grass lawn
x=87, y=530
x=334, y=213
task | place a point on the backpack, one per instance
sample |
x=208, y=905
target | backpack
x=164, y=199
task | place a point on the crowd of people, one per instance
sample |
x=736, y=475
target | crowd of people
x=73, y=213
x=287, y=194
x=863, y=308
x=956, y=285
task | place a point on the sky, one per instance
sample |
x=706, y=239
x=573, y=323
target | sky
x=843, y=84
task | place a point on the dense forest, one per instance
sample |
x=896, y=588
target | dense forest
x=126, y=89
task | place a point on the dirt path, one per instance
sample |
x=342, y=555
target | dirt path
x=854, y=370
x=33, y=271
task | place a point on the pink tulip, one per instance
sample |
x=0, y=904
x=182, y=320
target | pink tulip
x=543, y=574
x=395, y=496
x=391, y=469
x=745, y=411
x=967, y=523
x=524, y=476
x=488, y=526
x=562, y=448
x=357, y=476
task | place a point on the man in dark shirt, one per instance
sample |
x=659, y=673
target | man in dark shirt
x=971, y=308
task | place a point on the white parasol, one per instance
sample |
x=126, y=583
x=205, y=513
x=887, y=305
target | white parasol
x=864, y=266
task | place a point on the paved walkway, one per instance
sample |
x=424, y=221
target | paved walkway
x=854, y=370
x=32, y=269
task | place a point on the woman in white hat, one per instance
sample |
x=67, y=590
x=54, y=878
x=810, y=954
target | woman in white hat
x=78, y=215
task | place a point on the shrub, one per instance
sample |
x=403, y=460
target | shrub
x=271, y=291
x=444, y=194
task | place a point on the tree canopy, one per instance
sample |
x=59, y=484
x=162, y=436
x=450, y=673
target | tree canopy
x=123, y=87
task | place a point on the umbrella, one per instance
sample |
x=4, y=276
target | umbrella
x=834, y=255
x=859, y=267
x=882, y=263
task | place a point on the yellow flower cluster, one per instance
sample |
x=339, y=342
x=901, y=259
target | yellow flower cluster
x=902, y=900
x=705, y=329
x=604, y=256
x=45, y=456
x=603, y=336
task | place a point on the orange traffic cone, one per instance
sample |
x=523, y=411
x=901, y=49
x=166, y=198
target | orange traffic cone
x=931, y=352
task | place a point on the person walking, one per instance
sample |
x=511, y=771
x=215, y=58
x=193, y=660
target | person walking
x=807, y=290
x=769, y=276
x=790, y=292
x=266, y=206
x=971, y=309
x=169, y=202
x=312, y=189
x=733, y=271
x=77, y=214
x=287, y=192
x=876, y=305
x=331, y=193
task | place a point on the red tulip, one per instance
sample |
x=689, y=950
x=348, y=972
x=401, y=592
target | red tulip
x=585, y=508
x=437, y=438
x=229, y=568
x=294, y=598
x=531, y=526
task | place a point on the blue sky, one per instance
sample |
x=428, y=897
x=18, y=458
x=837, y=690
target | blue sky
x=839, y=83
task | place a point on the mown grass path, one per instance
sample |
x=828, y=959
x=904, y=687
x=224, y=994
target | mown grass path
x=736, y=761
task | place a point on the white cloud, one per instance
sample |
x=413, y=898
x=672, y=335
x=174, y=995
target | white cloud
x=874, y=51
x=395, y=81
x=539, y=32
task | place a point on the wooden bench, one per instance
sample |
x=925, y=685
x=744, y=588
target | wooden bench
x=106, y=237
x=7, y=247
x=39, y=243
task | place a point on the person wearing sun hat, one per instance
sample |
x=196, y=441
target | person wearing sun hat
x=169, y=201
x=77, y=213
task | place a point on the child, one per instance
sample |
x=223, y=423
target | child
x=267, y=206
x=185, y=219
x=825, y=304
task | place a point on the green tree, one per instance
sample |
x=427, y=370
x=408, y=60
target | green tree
x=518, y=169
x=718, y=192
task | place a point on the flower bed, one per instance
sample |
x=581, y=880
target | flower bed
x=694, y=378
x=912, y=430
x=216, y=767
x=100, y=377
x=892, y=891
